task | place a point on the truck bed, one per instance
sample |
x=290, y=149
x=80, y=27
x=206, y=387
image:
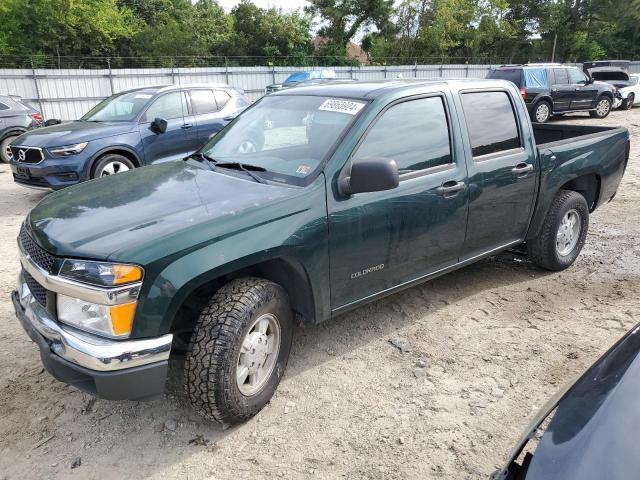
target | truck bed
x=553, y=135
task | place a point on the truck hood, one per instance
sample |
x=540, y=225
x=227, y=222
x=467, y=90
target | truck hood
x=73, y=132
x=593, y=433
x=126, y=212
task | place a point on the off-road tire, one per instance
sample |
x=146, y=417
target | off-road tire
x=542, y=249
x=3, y=147
x=109, y=158
x=212, y=356
x=534, y=112
x=595, y=114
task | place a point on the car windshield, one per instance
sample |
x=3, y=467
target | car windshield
x=298, y=77
x=286, y=135
x=122, y=107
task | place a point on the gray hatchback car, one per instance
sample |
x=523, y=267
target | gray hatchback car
x=16, y=117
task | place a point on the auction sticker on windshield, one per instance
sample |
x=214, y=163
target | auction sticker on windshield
x=341, y=106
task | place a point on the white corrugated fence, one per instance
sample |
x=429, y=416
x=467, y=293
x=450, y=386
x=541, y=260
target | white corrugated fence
x=67, y=94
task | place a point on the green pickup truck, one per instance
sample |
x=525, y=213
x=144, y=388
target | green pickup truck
x=310, y=203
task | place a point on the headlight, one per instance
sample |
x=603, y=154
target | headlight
x=101, y=274
x=67, y=150
x=112, y=321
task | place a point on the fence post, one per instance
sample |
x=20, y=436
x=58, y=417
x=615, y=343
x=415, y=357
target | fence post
x=385, y=71
x=415, y=69
x=110, y=76
x=273, y=73
x=173, y=72
x=35, y=82
x=351, y=72
x=226, y=70
x=441, y=70
x=467, y=70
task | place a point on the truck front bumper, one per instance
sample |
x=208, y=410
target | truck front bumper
x=110, y=369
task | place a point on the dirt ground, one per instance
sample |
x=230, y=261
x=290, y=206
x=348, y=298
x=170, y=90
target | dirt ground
x=498, y=338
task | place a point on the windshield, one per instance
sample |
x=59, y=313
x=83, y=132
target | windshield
x=122, y=107
x=298, y=77
x=287, y=135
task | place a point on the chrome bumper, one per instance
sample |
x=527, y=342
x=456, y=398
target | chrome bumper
x=82, y=349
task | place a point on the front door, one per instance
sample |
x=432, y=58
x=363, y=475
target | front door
x=177, y=141
x=562, y=92
x=585, y=92
x=502, y=171
x=380, y=240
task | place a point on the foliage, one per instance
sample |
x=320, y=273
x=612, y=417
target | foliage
x=403, y=31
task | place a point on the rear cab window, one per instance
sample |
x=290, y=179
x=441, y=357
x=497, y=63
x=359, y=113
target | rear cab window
x=492, y=124
x=513, y=75
x=414, y=133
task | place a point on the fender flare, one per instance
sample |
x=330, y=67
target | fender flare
x=11, y=130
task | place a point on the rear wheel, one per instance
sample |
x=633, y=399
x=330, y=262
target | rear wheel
x=239, y=350
x=629, y=101
x=563, y=233
x=603, y=108
x=5, y=151
x=110, y=164
x=541, y=112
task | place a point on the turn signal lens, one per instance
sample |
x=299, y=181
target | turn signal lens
x=122, y=318
x=126, y=274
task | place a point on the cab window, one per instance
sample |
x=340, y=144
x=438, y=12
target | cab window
x=576, y=76
x=168, y=106
x=491, y=122
x=203, y=101
x=561, y=76
x=414, y=133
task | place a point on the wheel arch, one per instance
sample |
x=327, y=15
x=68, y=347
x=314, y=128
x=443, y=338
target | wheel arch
x=12, y=131
x=286, y=271
x=586, y=185
x=118, y=150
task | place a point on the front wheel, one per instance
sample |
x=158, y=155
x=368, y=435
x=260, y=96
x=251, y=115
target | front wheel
x=603, y=108
x=629, y=101
x=239, y=350
x=5, y=151
x=110, y=164
x=563, y=234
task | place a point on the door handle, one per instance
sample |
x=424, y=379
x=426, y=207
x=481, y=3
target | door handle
x=522, y=169
x=450, y=187
x=187, y=125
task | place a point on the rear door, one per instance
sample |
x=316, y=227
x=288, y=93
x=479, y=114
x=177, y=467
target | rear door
x=562, y=92
x=585, y=93
x=209, y=116
x=502, y=170
x=379, y=240
x=175, y=143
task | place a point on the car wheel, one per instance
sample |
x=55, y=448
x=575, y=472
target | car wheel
x=603, y=108
x=239, y=350
x=563, y=233
x=541, y=112
x=110, y=164
x=5, y=151
x=629, y=101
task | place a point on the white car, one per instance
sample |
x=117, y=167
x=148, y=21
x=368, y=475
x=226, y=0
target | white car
x=631, y=93
x=628, y=84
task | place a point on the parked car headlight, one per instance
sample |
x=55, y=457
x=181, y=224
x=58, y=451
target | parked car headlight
x=67, y=150
x=113, y=321
x=101, y=274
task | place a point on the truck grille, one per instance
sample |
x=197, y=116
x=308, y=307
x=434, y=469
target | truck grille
x=41, y=257
x=27, y=155
x=37, y=290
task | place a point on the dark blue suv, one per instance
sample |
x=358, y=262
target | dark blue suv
x=127, y=130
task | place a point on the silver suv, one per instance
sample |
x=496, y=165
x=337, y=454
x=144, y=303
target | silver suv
x=16, y=117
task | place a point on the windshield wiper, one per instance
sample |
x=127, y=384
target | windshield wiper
x=205, y=159
x=245, y=167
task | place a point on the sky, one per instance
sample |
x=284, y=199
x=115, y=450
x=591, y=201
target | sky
x=284, y=4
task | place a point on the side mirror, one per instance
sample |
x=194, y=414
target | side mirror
x=370, y=174
x=52, y=121
x=159, y=125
